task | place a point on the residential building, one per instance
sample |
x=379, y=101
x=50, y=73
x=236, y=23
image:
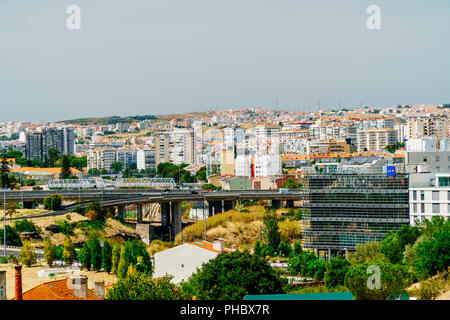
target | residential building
x=329, y=146
x=183, y=260
x=421, y=127
x=101, y=158
x=429, y=196
x=376, y=139
x=433, y=152
x=176, y=146
x=146, y=159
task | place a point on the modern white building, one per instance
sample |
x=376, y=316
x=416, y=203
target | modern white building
x=258, y=166
x=146, y=159
x=376, y=139
x=429, y=195
x=183, y=260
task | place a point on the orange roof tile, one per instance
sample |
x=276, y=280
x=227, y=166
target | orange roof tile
x=208, y=246
x=55, y=290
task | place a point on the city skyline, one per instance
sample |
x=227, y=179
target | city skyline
x=159, y=58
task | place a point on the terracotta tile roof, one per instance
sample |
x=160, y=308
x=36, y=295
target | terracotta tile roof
x=55, y=290
x=208, y=246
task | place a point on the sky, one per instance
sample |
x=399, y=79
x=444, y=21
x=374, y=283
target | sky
x=141, y=57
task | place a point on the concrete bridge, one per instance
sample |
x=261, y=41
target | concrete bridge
x=169, y=201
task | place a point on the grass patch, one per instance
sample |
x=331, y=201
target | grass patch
x=196, y=231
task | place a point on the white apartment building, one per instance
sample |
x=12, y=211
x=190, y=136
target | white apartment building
x=258, y=166
x=429, y=195
x=146, y=159
x=176, y=146
x=101, y=158
x=233, y=136
x=376, y=139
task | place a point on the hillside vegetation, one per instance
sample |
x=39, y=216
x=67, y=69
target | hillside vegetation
x=237, y=228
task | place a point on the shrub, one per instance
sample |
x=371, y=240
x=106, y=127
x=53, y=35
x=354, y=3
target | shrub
x=430, y=289
x=140, y=286
x=80, y=210
x=64, y=227
x=26, y=226
x=53, y=202
x=92, y=215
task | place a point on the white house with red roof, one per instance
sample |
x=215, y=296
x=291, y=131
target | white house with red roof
x=183, y=260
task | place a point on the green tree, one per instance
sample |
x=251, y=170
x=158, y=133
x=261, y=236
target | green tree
x=366, y=252
x=107, y=257
x=126, y=258
x=316, y=269
x=85, y=256
x=66, y=171
x=141, y=286
x=96, y=254
x=51, y=158
x=257, y=249
x=68, y=251
x=116, y=167
x=393, y=245
x=336, y=270
x=200, y=175
x=49, y=252
x=12, y=237
x=284, y=249
x=27, y=254
x=271, y=231
x=298, y=265
x=115, y=258
x=394, y=279
x=231, y=276
x=53, y=202
x=433, y=254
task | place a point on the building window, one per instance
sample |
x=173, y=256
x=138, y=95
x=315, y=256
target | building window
x=425, y=159
x=448, y=195
x=436, y=208
x=422, y=195
x=422, y=207
x=415, y=207
x=437, y=158
x=438, y=169
x=448, y=208
x=435, y=195
x=415, y=195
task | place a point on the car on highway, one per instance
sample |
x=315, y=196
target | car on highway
x=285, y=191
x=194, y=192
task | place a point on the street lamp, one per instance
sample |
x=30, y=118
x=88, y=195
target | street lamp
x=4, y=219
x=204, y=212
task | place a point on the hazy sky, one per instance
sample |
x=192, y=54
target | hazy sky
x=168, y=56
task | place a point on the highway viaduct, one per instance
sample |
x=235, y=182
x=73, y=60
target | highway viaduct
x=170, y=201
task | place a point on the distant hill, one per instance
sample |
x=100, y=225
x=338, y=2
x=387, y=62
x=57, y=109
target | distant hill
x=109, y=120
x=131, y=119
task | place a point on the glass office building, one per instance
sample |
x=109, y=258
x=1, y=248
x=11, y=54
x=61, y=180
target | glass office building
x=342, y=210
